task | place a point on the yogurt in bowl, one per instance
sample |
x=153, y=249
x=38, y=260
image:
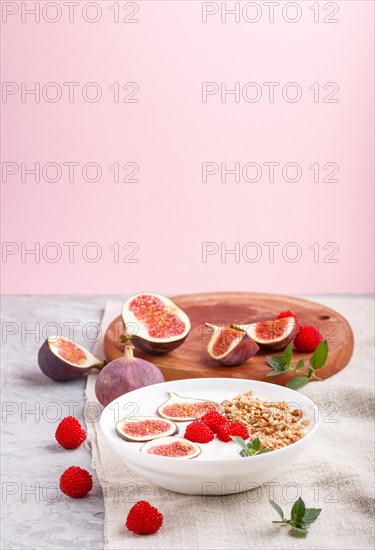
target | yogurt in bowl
x=218, y=468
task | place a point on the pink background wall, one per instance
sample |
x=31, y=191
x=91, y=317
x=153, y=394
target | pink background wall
x=170, y=132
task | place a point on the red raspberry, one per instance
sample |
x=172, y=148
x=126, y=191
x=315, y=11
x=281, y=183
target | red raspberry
x=224, y=433
x=307, y=339
x=144, y=519
x=288, y=313
x=69, y=433
x=239, y=428
x=76, y=482
x=213, y=419
x=199, y=432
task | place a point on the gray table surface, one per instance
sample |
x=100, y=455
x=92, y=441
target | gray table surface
x=35, y=515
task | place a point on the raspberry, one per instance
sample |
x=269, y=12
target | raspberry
x=239, y=428
x=224, y=433
x=76, y=482
x=144, y=519
x=232, y=428
x=307, y=339
x=213, y=420
x=288, y=313
x=69, y=433
x=199, y=432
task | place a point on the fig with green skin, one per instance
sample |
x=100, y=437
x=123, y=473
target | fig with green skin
x=184, y=409
x=125, y=374
x=155, y=323
x=172, y=447
x=272, y=335
x=145, y=428
x=62, y=359
x=230, y=346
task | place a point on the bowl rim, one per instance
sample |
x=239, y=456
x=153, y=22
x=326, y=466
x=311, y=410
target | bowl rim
x=162, y=459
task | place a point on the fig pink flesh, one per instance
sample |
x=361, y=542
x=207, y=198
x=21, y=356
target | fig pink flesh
x=188, y=410
x=155, y=315
x=276, y=334
x=162, y=326
x=225, y=339
x=56, y=368
x=271, y=330
x=69, y=351
x=175, y=449
x=145, y=427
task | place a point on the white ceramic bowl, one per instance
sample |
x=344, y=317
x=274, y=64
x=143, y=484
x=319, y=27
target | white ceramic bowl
x=219, y=469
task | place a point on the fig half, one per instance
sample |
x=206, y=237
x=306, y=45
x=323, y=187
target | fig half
x=154, y=323
x=230, y=346
x=145, y=428
x=173, y=447
x=272, y=335
x=62, y=359
x=184, y=409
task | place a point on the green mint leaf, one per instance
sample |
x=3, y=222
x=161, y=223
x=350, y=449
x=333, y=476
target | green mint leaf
x=249, y=449
x=297, y=383
x=300, y=364
x=288, y=354
x=262, y=451
x=255, y=445
x=277, y=362
x=310, y=515
x=301, y=517
x=277, y=508
x=310, y=373
x=297, y=513
x=319, y=357
x=239, y=442
x=274, y=373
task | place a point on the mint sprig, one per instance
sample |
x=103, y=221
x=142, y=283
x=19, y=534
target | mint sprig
x=301, y=517
x=249, y=449
x=283, y=363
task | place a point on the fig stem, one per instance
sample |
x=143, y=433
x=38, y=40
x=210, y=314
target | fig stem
x=128, y=353
x=124, y=337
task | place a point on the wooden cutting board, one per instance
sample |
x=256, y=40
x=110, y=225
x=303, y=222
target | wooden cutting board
x=191, y=359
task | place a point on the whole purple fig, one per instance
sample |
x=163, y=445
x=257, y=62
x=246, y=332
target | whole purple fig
x=125, y=374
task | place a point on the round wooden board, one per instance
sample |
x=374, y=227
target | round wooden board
x=191, y=359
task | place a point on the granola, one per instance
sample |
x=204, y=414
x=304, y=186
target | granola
x=276, y=424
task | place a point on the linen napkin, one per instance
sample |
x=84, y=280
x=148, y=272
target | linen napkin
x=335, y=473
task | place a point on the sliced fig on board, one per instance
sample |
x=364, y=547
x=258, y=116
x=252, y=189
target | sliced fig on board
x=145, y=428
x=272, y=335
x=230, y=346
x=173, y=447
x=184, y=409
x=62, y=359
x=154, y=322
